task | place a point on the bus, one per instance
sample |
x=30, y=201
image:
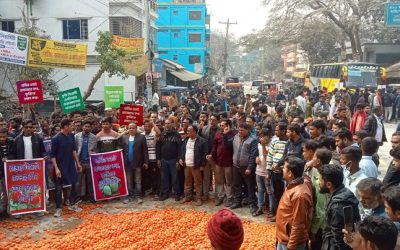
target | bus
x=348, y=75
x=301, y=78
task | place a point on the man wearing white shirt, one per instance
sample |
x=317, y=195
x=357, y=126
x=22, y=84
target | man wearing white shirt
x=193, y=159
x=369, y=146
x=301, y=101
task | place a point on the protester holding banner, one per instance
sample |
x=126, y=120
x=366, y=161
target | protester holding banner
x=136, y=157
x=64, y=158
x=86, y=143
x=5, y=145
x=107, y=139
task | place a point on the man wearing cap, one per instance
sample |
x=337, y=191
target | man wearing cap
x=225, y=230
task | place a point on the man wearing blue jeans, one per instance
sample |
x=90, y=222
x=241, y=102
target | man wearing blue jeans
x=168, y=151
x=136, y=157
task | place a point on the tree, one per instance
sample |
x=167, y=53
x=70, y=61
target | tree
x=110, y=58
x=349, y=17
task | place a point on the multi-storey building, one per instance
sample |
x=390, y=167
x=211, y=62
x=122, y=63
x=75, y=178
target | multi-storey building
x=184, y=33
x=79, y=22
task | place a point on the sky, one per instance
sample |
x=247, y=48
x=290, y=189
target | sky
x=249, y=14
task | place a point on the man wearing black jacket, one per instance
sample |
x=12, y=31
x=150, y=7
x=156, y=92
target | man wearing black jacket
x=374, y=125
x=27, y=145
x=331, y=181
x=294, y=147
x=193, y=159
x=168, y=151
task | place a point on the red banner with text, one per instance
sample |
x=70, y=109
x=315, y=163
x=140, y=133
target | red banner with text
x=30, y=91
x=25, y=184
x=130, y=113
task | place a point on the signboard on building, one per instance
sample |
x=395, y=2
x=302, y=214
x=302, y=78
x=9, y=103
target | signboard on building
x=71, y=100
x=157, y=68
x=113, y=96
x=54, y=54
x=13, y=48
x=133, y=47
x=392, y=15
x=25, y=184
x=130, y=113
x=30, y=91
x=137, y=67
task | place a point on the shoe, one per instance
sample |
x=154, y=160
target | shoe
x=75, y=208
x=257, y=212
x=178, y=198
x=67, y=203
x=184, y=200
x=235, y=205
x=245, y=202
x=126, y=201
x=156, y=197
x=163, y=197
x=58, y=213
x=270, y=215
x=229, y=203
x=272, y=219
x=198, y=202
x=204, y=198
x=139, y=201
x=219, y=202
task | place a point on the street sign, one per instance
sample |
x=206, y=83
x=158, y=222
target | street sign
x=393, y=15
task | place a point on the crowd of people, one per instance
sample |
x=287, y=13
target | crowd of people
x=300, y=159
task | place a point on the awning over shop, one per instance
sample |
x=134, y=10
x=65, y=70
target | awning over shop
x=394, y=71
x=185, y=75
x=180, y=72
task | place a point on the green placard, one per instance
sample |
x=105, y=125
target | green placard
x=113, y=96
x=71, y=100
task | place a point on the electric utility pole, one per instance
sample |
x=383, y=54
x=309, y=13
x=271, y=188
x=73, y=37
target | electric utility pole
x=148, y=50
x=225, y=63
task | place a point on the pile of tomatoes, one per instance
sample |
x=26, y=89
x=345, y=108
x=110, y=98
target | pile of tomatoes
x=151, y=229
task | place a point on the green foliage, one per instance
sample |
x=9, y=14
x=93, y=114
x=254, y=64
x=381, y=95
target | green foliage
x=110, y=57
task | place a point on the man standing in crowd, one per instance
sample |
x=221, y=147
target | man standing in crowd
x=359, y=118
x=369, y=190
x=136, y=157
x=154, y=170
x=294, y=213
x=107, y=139
x=193, y=159
x=86, y=144
x=374, y=125
x=369, y=146
x=350, y=158
x=208, y=132
x=168, y=153
x=222, y=154
x=5, y=146
x=244, y=165
x=66, y=166
x=331, y=181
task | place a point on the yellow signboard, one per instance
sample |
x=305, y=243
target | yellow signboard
x=54, y=54
x=132, y=46
x=137, y=67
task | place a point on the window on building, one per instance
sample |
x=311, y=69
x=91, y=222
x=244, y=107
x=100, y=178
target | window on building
x=162, y=52
x=8, y=26
x=75, y=29
x=175, y=12
x=195, y=37
x=195, y=15
x=175, y=57
x=126, y=27
x=194, y=59
x=176, y=35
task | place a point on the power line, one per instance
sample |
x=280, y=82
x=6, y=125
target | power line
x=226, y=48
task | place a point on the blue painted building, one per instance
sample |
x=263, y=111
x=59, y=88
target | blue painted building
x=183, y=33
